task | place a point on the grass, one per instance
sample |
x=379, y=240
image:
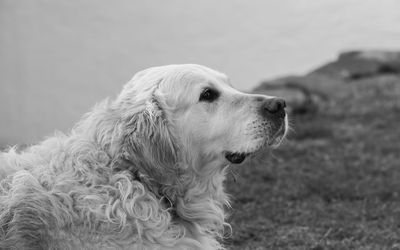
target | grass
x=335, y=184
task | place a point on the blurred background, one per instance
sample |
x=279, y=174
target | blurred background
x=334, y=184
x=58, y=58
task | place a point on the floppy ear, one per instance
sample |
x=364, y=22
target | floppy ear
x=148, y=144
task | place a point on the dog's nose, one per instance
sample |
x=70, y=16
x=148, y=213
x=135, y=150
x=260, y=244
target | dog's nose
x=273, y=106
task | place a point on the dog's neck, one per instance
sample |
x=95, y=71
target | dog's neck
x=196, y=197
x=190, y=181
x=201, y=199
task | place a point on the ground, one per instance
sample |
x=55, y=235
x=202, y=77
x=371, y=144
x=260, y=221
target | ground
x=334, y=184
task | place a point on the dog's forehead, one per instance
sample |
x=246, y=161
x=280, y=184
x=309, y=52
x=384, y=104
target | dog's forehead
x=182, y=78
x=194, y=74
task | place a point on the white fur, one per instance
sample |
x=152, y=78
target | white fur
x=144, y=171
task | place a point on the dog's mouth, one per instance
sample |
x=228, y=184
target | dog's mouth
x=236, y=157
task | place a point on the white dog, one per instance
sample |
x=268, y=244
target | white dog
x=144, y=171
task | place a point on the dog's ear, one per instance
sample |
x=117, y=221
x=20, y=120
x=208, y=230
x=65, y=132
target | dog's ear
x=148, y=144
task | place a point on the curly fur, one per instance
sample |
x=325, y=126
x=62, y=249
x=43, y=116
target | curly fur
x=119, y=180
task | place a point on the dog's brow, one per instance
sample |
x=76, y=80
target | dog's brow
x=212, y=85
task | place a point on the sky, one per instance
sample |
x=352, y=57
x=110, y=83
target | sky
x=58, y=58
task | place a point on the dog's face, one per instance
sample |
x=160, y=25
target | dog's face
x=191, y=113
x=213, y=120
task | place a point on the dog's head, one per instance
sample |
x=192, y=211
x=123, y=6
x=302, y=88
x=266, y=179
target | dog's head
x=192, y=113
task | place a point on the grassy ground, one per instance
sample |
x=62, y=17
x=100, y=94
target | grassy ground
x=335, y=184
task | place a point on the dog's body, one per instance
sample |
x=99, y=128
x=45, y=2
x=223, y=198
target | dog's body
x=145, y=171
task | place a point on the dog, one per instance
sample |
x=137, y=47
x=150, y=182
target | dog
x=143, y=171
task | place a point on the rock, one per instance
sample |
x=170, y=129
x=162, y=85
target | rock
x=377, y=55
x=303, y=94
x=327, y=85
x=359, y=64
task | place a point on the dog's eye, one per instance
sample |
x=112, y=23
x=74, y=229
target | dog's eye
x=208, y=95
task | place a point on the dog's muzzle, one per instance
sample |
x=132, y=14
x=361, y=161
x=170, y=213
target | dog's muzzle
x=273, y=110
